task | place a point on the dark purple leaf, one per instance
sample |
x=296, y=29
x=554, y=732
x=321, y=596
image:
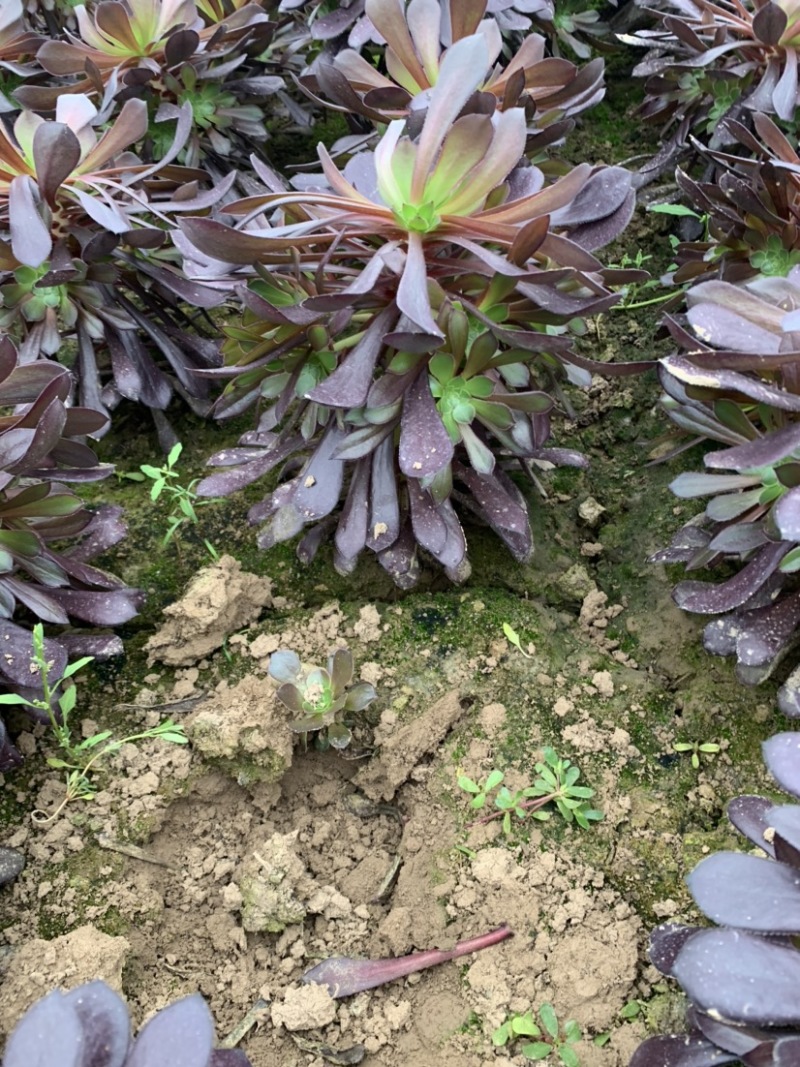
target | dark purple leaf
x=769, y=23
x=49, y=1033
x=749, y=814
x=782, y=757
x=284, y=665
x=747, y=892
x=229, y=481
x=785, y=820
x=679, y=1050
x=784, y=98
x=786, y=515
x=351, y=533
x=109, y=607
x=228, y=1057
x=349, y=385
x=705, y=598
x=30, y=238
x=320, y=482
x=400, y=559
x=428, y=525
x=56, y=154
x=762, y=452
x=106, y=1029
x=425, y=445
x=182, y=1035
x=666, y=941
x=720, y=972
x=734, y=1039
x=384, y=515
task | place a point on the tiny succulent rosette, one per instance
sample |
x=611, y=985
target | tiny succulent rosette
x=321, y=696
x=741, y=977
x=738, y=385
x=89, y=1027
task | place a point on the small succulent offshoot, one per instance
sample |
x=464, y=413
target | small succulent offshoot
x=321, y=696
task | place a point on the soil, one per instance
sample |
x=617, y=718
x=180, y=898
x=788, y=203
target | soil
x=233, y=865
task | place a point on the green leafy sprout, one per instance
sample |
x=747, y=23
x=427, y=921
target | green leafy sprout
x=555, y=784
x=513, y=637
x=80, y=758
x=185, y=501
x=707, y=748
x=553, y=1038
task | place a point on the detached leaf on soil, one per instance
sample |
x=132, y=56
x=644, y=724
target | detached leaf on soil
x=344, y=976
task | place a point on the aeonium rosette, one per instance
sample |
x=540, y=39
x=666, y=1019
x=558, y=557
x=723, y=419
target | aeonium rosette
x=443, y=240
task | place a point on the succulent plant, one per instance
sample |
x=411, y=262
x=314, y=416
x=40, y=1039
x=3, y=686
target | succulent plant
x=321, y=696
x=739, y=385
x=435, y=274
x=41, y=574
x=89, y=1025
x=741, y=979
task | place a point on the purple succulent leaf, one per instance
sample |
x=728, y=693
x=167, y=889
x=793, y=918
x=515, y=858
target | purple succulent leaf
x=360, y=696
x=16, y=656
x=308, y=724
x=50, y=1032
x=384, y=516
x=106, y=528
x=428, y=525
x=229, y=481
x=320, y=482
x=706, y=598
x=679, y=1050
x=291, y=697
x=784, y=98
x=284, y=666
x=666, y=941
x=361, y=442
x=692, y=483
x=769, y=23
x=10, y=757
x=717, y=967
x=453, y=553
x=595, y=234
x=734, y=1039
x=339, y=736
x=181, y=1035
x=789, y=695
x=100, y=646
x=749, y=814
x=747, y=892
x=425, y=445
x=738, y=540
x=497, y=503
x=349, y=385
x=412, y=292
x=786, y=515
x=767, y=630
x=400, y=559
x=762, y=452
x=56, y=154
x=106, y=1028
x=109, y=607
x=712, y=378
x=351, y=531
x=229, y=1057
x=785, y=820
x=30, y=238
x=782, y=756
x=340, y=669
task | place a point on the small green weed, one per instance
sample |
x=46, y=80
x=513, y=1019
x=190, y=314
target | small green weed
x=707, y=748
x=554, y=1040
x=185, y=501
x=555, y=784
x=80, y=757
x=513, y=637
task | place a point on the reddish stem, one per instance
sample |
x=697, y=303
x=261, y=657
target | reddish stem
x=528, y=805
x=344, y=976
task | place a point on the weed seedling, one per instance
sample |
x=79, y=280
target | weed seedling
x=553, y=1039
x=185, y=500
x=555, y=784
x=708, y=748
x=513, y=637
x=80, y=758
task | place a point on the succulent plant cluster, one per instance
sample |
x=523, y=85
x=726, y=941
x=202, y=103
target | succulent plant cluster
x=711, y=59
x=405, y=318
x=741, y=976
x=90, y=1026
